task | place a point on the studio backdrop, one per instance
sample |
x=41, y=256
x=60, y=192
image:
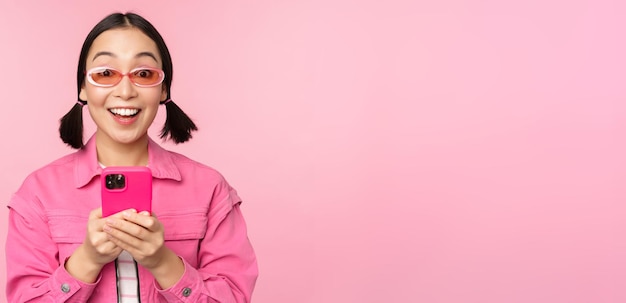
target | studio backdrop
x=386, y=151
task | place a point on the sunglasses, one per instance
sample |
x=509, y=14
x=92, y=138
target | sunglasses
x=141, y=76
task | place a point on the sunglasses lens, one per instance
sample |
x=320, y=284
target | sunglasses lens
x=146, y=76
x=105, y=76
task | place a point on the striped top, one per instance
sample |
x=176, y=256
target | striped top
x=127, y=283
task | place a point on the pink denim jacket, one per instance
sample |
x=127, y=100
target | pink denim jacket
x=199, y=210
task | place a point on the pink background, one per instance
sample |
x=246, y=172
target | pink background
x=387, y=151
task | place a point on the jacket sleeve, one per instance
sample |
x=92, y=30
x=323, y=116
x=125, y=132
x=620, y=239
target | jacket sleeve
x=34, y=273
x=227, y=268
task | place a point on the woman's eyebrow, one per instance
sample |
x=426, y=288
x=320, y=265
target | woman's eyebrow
x=148, y=54
x=142, y=54
x=98, y=54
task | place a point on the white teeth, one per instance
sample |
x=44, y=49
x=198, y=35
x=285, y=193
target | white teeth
x=124, y=111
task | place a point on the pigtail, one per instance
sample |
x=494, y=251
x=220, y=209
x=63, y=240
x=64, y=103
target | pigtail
x=71, y=128
x=177, y=124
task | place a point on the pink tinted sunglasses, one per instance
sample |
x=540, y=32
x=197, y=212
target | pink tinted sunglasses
x=142, y=76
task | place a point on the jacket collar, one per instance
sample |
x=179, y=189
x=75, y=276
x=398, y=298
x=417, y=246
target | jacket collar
x=159, y=160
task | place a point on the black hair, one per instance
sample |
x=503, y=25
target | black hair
x=178, y=126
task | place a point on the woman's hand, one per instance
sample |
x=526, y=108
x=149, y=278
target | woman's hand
x=142, y=236
x=139, y=234
x=95, y=251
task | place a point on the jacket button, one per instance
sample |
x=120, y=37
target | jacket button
x=65, y=288
x=186, y=292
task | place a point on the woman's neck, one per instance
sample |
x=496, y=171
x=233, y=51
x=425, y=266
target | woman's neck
x=111, y=153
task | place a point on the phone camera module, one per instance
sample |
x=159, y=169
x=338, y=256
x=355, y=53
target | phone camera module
x=115, y=181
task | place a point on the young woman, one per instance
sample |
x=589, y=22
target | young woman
x=192, y=248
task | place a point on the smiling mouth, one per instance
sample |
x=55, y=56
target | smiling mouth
x=124, y=112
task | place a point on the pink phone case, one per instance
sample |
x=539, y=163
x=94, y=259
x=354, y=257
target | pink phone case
x=125, y=187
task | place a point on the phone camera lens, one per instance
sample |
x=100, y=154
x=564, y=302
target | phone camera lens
x=115, y=181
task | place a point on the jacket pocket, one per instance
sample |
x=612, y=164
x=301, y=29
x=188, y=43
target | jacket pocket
x=183, y=233
x=67, y=229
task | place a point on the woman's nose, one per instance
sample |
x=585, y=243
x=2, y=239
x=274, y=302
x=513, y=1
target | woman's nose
x=125, y=89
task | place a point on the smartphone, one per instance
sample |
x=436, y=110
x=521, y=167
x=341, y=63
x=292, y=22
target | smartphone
x=125, y=187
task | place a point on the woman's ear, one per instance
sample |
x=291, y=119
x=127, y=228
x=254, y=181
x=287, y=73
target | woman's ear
x=163, y=94
x=83, y=94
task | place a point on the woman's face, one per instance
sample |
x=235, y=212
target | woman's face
x=123, y=112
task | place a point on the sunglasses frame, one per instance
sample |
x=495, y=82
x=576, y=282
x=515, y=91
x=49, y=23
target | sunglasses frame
x=103, y=68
